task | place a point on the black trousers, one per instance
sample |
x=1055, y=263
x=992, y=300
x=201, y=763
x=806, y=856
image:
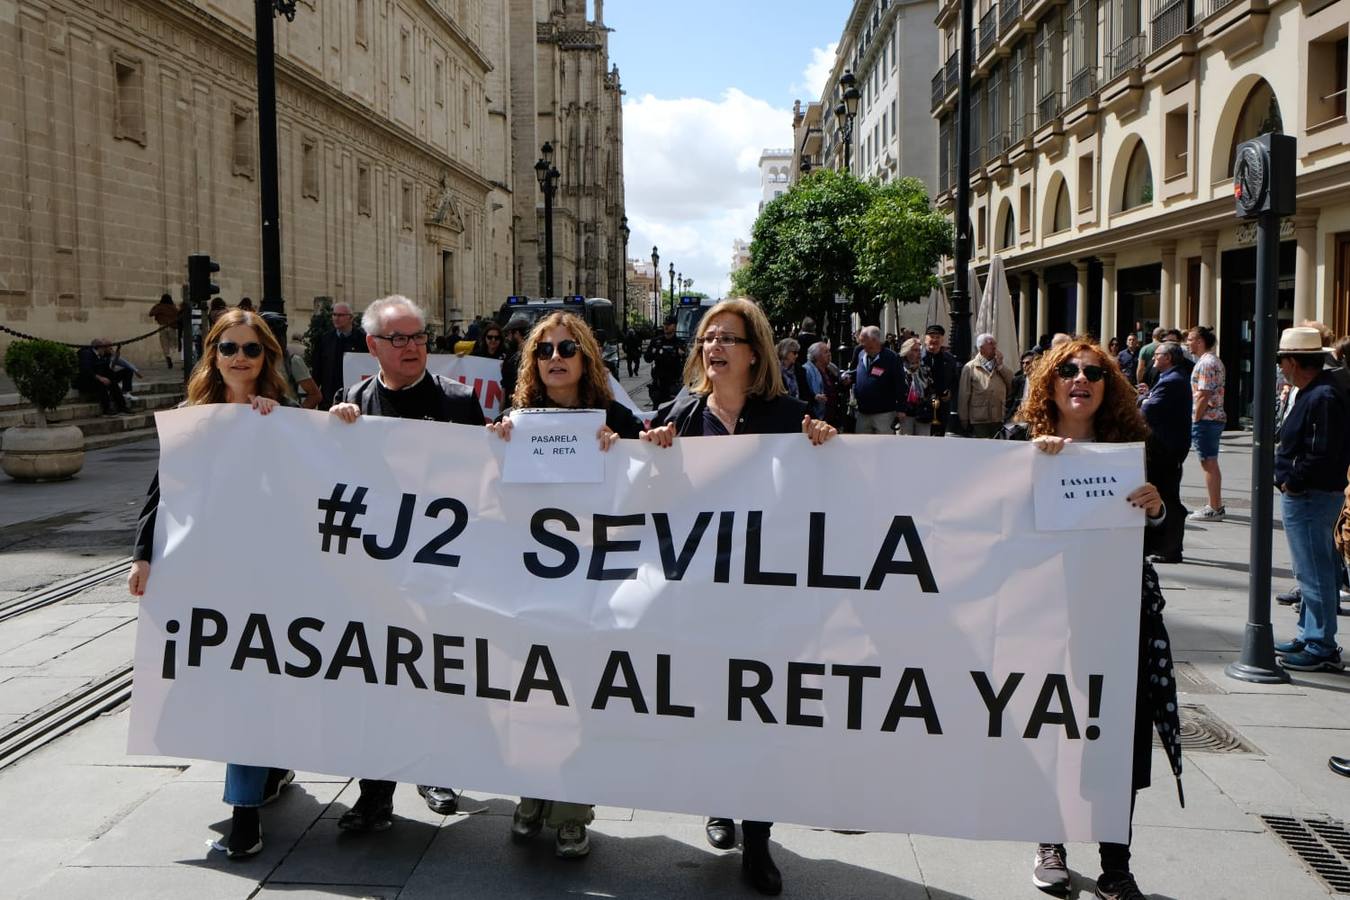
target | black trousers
x=109, y=396
x=382, y=791
x=1116, y=857
x=1174, y=526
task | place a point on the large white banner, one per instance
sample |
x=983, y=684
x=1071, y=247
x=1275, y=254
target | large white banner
x=872, y=634
x=483, y=376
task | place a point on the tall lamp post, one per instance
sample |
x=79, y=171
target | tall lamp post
x=624, y=233
x=846, y=112
x=264, y=11
x=672, y=289
x=960, y=297
x=656, y=286
x=548, y=183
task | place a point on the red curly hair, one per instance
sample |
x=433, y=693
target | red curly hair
x=1117, y=420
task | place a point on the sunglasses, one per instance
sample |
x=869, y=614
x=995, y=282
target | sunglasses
x=566, y=349
x=252, y=349
x=1069, y=371
x=492, y=337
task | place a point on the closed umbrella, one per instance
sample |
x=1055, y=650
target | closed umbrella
x=995, y=315
x=938, y=313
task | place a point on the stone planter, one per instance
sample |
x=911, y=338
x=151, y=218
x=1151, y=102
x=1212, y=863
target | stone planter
x=53, y=453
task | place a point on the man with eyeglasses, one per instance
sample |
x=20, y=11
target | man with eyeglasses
x=396, y=335
x=346, y=337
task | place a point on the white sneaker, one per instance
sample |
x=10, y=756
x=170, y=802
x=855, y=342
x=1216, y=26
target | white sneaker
x=129, y=395
x=1209, y=513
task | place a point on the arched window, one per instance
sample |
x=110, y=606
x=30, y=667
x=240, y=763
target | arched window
x=1138, y=180
x=1260, y=114
x=1008, y=237
x=1063, y=220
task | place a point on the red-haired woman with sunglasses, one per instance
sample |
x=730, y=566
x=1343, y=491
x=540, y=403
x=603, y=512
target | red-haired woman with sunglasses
x=1077, y=394
x=241, y=363
x=562, y=367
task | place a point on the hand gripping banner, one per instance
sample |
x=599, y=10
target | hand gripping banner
x=871, y=634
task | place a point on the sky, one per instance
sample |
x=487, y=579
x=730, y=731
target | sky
x=708, y=86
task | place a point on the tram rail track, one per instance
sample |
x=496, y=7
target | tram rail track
x=65, y=715
x=53, y=594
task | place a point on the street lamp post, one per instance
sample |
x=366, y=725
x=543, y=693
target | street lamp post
x=548, y=183
x=960, y=298
x=624, y=233
x=672, y=289
x=846, y=112
x=656, y=286
x=265, y=45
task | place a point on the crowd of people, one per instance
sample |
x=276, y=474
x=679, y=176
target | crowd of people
x=735, y=378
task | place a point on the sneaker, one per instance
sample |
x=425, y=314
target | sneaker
x=572, y=841
x=441, y=800
x=1288, y=598
x=525, y=826
x=368, y=815
x=277, y=780
x=129, y=396
x=1118, y=887
x=1209, y=513
x=245, y=833
x=1284, y=648
x=1051, y=872
x=1306, y=661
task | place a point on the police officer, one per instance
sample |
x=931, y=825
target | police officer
x=666, y=353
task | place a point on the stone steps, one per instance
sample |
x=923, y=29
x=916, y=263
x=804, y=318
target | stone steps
x=77, y=411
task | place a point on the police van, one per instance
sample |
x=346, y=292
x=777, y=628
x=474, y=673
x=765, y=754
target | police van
x=597, y=312
x=689, y=313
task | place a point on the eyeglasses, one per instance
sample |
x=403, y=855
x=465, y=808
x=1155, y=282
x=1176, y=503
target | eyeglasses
x=1069, y=371
x=492, y=337
x=566, y=349
x=401, y=340
x=722, y=340
x=252, y=349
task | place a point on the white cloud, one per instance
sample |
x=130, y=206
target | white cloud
x=817, y=72
x=691, y=174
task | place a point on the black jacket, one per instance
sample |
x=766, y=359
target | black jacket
x=620, y=419
x=781, y=415
x=667, y=355
x=944, y=377
x=328, y=355
x=1167, y=409
x=456, y=403
x=1313, y=449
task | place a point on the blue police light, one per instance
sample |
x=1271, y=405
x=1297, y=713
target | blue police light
x=574, y=298
x=516, y=301
x=689, y=301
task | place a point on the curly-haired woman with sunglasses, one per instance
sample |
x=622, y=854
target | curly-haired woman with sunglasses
x=1077, y=394
x=241, y=363
x=562, y=367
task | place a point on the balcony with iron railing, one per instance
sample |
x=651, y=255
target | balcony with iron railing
x=997, y=146
x=1171, y=19
x=953, y=72
x=1019, y=129
x=1009, y=11
x=1082, y=84
x=988, y=31
x=1126, y=55
x=1214, y=6
x=939, y=88
x=1048, y=107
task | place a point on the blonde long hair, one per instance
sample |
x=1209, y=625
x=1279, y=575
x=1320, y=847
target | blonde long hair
x=206, y=384
x=593, y=390
x=766, y=379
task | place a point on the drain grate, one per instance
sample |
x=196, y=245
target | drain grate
x=1204, y=732
x=1323, y=845
x=1190, y=681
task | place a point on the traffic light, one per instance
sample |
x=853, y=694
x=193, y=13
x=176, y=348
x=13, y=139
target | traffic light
x=200, y=269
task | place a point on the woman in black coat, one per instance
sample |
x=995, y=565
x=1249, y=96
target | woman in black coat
x=1078, y=394
x=736, y=387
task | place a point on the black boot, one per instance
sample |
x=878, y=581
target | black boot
x=721, y=833
x=758, y=868
x=245, y=833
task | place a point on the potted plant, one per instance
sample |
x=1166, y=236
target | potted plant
x=43, y=372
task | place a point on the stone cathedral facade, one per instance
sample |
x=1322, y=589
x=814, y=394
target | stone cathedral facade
x=406, y=144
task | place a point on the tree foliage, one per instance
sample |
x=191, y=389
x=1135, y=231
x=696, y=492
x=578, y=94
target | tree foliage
x=832, y=234
x=42, y=371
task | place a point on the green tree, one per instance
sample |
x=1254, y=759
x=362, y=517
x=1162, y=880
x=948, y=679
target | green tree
x=802, y=254
x=900, y=239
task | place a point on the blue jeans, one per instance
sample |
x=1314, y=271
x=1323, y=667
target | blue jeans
x=244, y=785
x=1205, y=439
x=1309, y=519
